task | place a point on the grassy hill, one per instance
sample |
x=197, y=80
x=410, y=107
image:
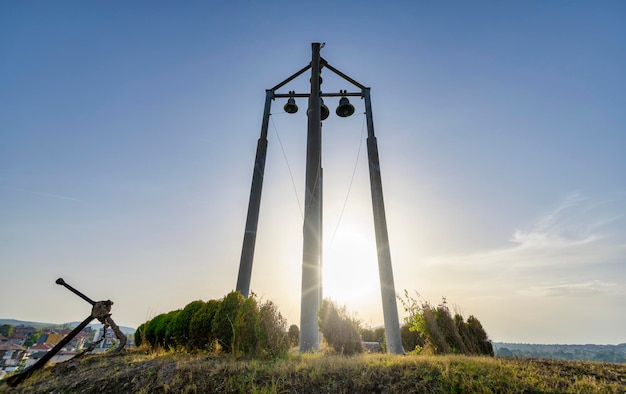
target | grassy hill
x=177, y=372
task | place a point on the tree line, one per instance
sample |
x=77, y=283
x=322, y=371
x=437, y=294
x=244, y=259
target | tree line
x=247, y=327
x=233, y=324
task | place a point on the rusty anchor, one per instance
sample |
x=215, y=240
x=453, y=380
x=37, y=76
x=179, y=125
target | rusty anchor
x=100, y=310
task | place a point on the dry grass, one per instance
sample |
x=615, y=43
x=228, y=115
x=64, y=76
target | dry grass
x=175, y=372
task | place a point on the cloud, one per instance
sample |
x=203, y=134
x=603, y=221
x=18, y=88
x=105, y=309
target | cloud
x=55, y=196
x=583, y=289
x=572, y=223
x=43, y=194
x=578, y=231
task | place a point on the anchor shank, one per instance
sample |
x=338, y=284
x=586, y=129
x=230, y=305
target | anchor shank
x=61, y=282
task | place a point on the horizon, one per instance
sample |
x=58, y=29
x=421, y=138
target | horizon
x=129, y=132
x=491, y=340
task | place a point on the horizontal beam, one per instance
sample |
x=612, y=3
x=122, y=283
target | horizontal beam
x=287, y=95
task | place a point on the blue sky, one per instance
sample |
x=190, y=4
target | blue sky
x=129, y=130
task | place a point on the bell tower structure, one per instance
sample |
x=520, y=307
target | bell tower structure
x=317, y=111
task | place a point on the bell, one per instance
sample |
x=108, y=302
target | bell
x=291, y=107
x=344, y=109
x=324, y=110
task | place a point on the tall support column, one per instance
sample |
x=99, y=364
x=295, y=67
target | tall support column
x=387, y=287
x=252, y=221
x=311, y=275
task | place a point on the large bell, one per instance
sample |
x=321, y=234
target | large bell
x=291, y=107
x=324, y=110
x=344, y=109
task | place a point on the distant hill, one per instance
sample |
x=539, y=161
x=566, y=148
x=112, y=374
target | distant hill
x=13, y=322
x=606, y=353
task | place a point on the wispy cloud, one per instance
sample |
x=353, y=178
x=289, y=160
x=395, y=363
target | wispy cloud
x=581, y=289
x=55, y=196
x=44, y=194
x=578, y=231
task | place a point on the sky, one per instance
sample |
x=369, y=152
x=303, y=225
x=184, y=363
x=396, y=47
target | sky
x=128, y=132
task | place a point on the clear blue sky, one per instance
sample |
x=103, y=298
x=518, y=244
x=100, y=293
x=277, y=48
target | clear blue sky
x=128, y=132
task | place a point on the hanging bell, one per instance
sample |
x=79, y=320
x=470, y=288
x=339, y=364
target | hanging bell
x=291, y=107
x=324, y=110
x=344, y=109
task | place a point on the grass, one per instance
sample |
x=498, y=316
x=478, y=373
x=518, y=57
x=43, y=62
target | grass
x=178, y=372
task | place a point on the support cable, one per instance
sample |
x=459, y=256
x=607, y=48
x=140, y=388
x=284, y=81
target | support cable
x=358, y=154
x=293, y=183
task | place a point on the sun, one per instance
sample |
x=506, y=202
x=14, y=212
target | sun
x=350, y=268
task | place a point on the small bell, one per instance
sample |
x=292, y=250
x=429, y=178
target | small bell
x=324, y=110
x=344, y=109
x=291, y=107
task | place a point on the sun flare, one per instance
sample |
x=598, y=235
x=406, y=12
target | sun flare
x=350, y=269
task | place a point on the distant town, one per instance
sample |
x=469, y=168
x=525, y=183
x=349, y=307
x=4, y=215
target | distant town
x=22, y=344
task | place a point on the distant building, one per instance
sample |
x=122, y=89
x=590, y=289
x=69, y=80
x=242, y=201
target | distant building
x=24, y=330
x=54, y=338
x=11, y=354
x=39, y=347
x=18, y=339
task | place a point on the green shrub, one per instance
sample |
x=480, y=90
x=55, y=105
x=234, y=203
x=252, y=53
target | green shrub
x=164, y=331
x=224, y=320
x=246, y=328
x=478, y=332
x=239, y=325
x=411, y=339
x=274, y=341
x=440, y=333
x=140, y=333
x=294, y=335
x=150, y=329
x=201, y=327
x=449, y=329
x=181, y=323
x=340, y=331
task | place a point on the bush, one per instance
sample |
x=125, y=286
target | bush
x=225, y=318
x=201, y=327
x=294, y=335
x=246, y=328
x=339, y=330
x=239, y=325
x=440, y=333
x=478, y=332
x=449, y=329
x=158, y=331
x=140, y=334
x=274, y=340
x=182, y=321
x=412, y=341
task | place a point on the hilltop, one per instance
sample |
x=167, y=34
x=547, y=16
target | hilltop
x=14, y=322
x=144, y=372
